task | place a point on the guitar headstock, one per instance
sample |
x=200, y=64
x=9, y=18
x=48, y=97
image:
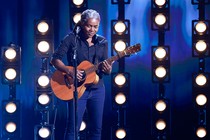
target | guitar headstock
x=133, y=49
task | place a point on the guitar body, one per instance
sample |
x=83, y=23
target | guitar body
x=65, y=91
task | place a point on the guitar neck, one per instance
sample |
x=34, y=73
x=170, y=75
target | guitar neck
x=109, y=60
x=128, y=51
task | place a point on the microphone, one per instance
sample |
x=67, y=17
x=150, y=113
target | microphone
x=77, y=30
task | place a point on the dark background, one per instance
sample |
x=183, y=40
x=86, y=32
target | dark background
x=16, y=25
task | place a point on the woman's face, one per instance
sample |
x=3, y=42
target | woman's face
x=90, y=28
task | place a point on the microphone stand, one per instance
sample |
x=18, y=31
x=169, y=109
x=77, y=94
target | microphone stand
x=75, y=86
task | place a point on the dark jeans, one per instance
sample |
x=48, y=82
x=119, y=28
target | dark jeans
x=93, y=101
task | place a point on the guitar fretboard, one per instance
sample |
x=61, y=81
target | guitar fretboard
x=128, y=51
x=95, y=67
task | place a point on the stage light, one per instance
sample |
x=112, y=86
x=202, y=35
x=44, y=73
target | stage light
x=201, y=100
x=43, y=81
x=160, y=19
x=120, y=37
x=200, y=38
x=10, y=127
x=43, y=27
x=160, y=124
x=160, y=72
x=120, y=89
x=160, y=53
x=201, y=46
x=120, y=98
x=11, y=63
x=77, y=18
x=201, y=132
x=200, y=27
x=120, y=80
x=11, y=107
x=44, y=99
x=120, y=133
x=120, y=27
x=75, y=10
x=44, y=37
x=200, y=80
x=43, y=46
x=160, y=15
x=10, y=54
x=45, y=132
x=120, y=46
x=160, y=63
x=160, y=3
x=10, y=119
x=160, y=117
x=78, y=2
x=10, y=74
x=160, y=105
x=200, y=89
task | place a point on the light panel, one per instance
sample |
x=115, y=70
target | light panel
x=44, y=37
x=11, y=64
x=200, y=38
x=160, y=117
x=75, y=11
x=120, y=89
x=160, y=15
x=160, y=64
x=11, y=119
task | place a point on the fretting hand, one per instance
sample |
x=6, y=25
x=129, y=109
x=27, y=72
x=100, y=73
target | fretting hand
x=107, y=67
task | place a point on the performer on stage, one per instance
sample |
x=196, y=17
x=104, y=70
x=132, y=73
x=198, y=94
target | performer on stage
x=93, y=48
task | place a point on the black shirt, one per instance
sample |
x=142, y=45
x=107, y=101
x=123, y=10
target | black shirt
x=94, y=54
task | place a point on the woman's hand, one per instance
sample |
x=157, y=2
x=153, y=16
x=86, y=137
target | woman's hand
x=107, y=67
x=80, y=73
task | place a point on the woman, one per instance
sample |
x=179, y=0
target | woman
x=84, y=44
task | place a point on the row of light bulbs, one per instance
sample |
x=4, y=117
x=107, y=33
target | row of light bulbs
x=160, y=66
x=200, y=47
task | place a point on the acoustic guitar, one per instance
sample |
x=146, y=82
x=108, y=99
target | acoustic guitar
x=63, y=84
